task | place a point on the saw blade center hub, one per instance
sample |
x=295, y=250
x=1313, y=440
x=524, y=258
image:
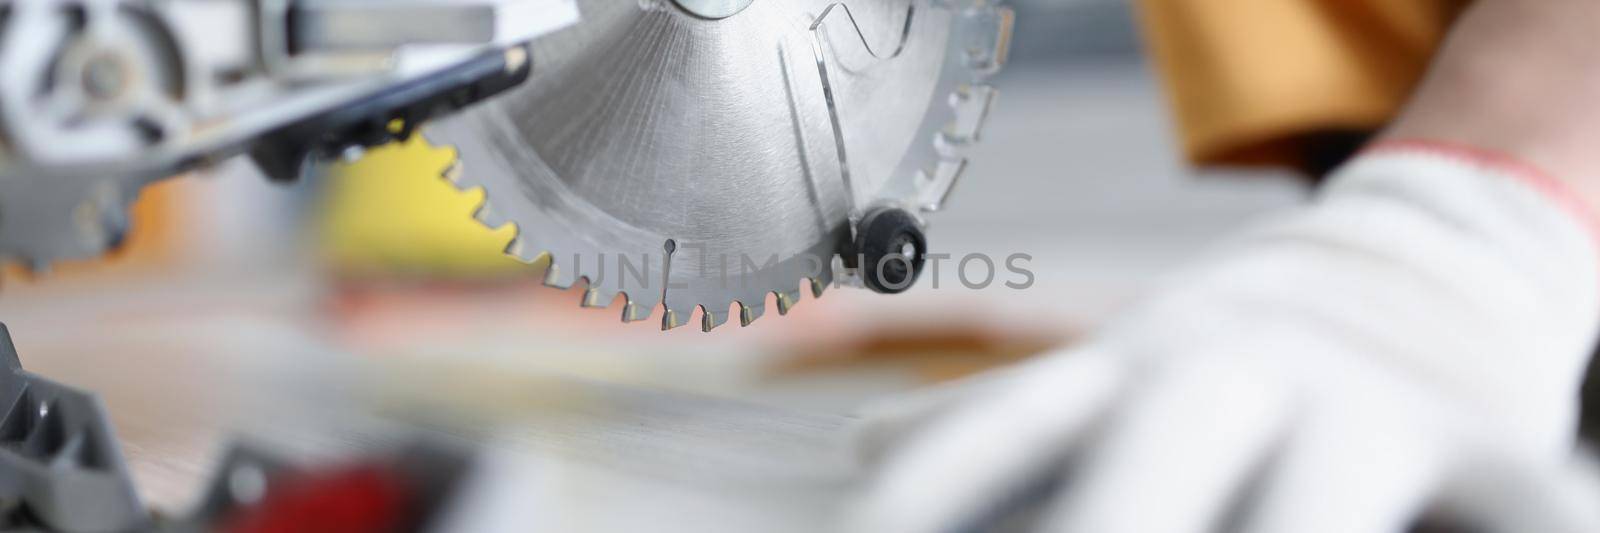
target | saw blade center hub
x=713, y=9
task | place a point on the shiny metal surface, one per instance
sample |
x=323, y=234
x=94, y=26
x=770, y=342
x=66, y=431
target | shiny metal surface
x=384, y=25
x=703, y=152
x=714, y=9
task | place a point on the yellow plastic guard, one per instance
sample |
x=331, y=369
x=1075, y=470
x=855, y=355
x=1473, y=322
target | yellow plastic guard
x=392, y=213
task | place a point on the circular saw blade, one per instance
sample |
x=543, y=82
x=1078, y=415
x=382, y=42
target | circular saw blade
x=684, y=162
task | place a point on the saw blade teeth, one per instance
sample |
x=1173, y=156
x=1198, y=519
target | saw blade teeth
x=592, y=299
x=711, y=318
x=675, y=318
x=634, y=312
x=818, y=286
x=528, y=163
x=967, y=104
x=453, y=172
x=521, y=250
x=787, y=299
x=487, y=215
x=596, y=298
x=558, y=276
x=970, y=106
x=749, y=314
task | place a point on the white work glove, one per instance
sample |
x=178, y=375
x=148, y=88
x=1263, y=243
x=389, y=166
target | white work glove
x=1411, y=344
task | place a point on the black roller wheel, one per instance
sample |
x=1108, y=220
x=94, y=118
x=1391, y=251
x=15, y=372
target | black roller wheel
x=892, y=249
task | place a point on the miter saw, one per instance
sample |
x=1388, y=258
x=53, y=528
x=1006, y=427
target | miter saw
x=711, y=152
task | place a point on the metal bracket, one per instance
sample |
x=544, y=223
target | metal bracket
x=60, y=467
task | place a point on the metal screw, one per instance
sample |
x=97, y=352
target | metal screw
x=105, y=76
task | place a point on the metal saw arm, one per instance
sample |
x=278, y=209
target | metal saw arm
x=100, y=97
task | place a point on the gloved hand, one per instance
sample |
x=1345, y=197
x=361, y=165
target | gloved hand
x=1412, y=342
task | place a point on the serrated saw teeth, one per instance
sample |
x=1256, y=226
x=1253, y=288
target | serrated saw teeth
x=749, y=314
x=559, y=276
x=602, y=298
x=674, y=319
x=519, y=249
x=489, y=217
x=971, y=105
x=787, y=300
x=594, y=299
x=818, y=286
x=602, y=165
x=633, y=312
x=711, y=318
x=452, y=172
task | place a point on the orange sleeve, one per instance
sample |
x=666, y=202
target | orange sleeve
x=1261, y=82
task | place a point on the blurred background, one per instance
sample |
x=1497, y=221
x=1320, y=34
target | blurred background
x=229, y=277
